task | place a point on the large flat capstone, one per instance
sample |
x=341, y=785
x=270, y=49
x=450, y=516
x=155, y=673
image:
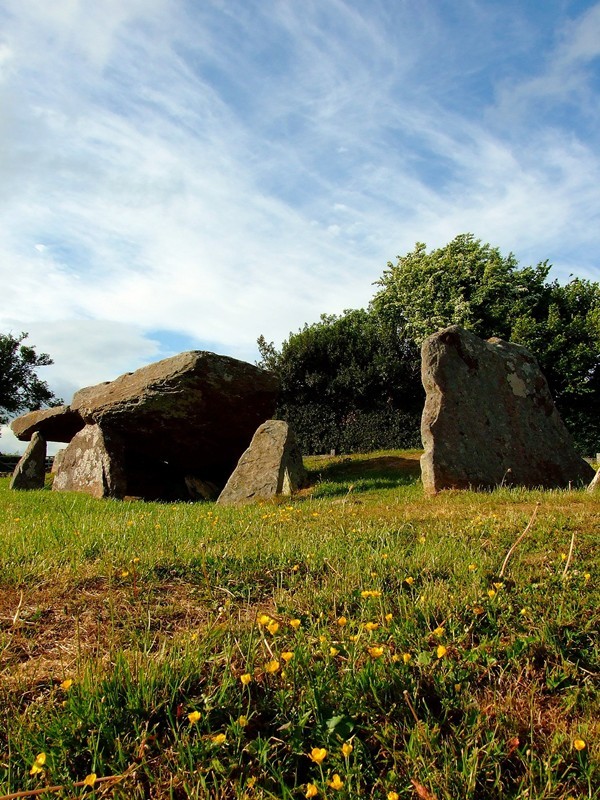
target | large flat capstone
x=58, y=424
x=489, y=418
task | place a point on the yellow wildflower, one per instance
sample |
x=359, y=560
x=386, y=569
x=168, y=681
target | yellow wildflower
x=439, y=631
x=393, y=796
x=579, y=744
x=410, y=580
x=353, y=638
x=333, y=651
x=347, y=749
x=498, y=585
x=38, y=764
x=193, y=717
x=242, y=721
x=90, y=779
x=66, y=684
x=336, y=782
x=264, y=619
x=295, y=623
x=478, y=610
x=491, y=593
x=124, y=573
x=272, y=667
x=287, y=656
x=375, y=652
x=318, y=755
x=311, y=790
x=472, y=567
x=273, y=627
x=441, y=651
x=371, y=626
x=406, y=657
x=587, y=576
x=389, y=617
x=246, y=678
x=219, y=738
x=342, y=621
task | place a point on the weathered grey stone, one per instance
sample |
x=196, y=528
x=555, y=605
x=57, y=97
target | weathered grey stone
x=595, y=483
x=59, y=424
x=56, y=460
x=92, y=463
x=195, y=413
x=489, y=418
x=31, y=469
x=271, y=466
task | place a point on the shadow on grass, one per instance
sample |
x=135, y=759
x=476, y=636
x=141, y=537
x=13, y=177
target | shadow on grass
x=358, y=475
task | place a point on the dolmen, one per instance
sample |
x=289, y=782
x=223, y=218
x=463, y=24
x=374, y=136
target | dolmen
x=178, y=423
x=489, y=419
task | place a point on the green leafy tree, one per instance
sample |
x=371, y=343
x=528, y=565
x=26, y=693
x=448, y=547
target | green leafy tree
x=465, y=283
x=20, y=388
x=344, y=381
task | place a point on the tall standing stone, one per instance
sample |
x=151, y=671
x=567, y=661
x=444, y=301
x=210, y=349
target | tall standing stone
x=31, y=469
x=489, y=418
x=271, y=466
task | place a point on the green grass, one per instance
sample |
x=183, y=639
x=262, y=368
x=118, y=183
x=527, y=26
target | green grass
x=155, y=611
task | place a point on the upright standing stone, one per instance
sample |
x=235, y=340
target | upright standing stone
x=92, y=463
x=31, y=469
x=489, y=418
x=272, y=465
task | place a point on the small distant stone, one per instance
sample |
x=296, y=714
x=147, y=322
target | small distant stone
x=271, y=466
x=595, y=484
x=31, y=469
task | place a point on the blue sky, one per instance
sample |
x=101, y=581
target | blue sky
x=190, y=174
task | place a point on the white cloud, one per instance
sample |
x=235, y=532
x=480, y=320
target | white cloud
x=228, y=169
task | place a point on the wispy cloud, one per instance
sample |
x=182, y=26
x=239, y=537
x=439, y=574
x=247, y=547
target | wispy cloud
x=223, y=169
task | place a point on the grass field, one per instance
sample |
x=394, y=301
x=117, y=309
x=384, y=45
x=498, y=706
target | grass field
x=359, y=640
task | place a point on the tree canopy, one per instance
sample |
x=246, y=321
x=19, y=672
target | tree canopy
x=368, y=360
x=20, y=388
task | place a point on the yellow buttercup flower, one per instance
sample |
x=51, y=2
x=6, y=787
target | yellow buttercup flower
x=295, y=623
x=311, y=790
x=371, y=626
x=410, y=580
x=38, y=764
x=219, y=738
x=491, y=593
x=472, y=567
x=342, y=621
x=371, y=592
x=587, y=576
x=90, y=779
x=66, y=684
x=375, y=652
x=441, y=651
x=439, y=631
x=193, y=717
x=389, y=617
x=246, y=678
x=579, y=744
x=264, y=619
x=336, y=782
x=393, y=796
x=272, y=667
x=287, y=656
x=333, y=651
x=347, y=749
x=273, y=627
x=318, y=755
x=406, y=657
x=242, y=721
